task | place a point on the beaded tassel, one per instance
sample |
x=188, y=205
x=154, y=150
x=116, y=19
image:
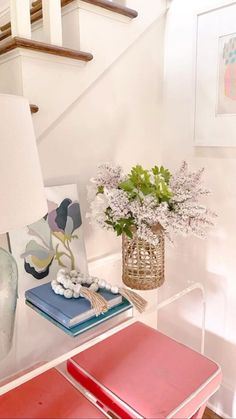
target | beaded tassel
x=99, y=303
x=138, y=302
x=70, y=285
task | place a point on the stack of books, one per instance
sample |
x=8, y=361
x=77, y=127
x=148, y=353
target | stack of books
x=73, y=316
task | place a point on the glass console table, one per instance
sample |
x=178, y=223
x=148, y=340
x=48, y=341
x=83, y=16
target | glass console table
x=39, y=345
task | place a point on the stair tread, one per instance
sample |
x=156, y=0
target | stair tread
x=43, y=47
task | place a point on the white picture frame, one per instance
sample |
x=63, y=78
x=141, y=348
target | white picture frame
x=215, y=113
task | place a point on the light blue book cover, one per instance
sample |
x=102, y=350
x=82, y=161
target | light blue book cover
x=88, y=324
x=68, y=312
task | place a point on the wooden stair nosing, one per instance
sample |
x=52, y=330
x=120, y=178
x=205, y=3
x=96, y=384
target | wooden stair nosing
x=43, y=47
x=114, y=7
x=106, y=4
x=34, y=108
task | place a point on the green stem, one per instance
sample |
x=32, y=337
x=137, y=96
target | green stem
x=58, y=239
x=65, y=254
x=71, y=255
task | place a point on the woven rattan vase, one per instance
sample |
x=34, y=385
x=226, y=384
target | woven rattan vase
x=143, y=263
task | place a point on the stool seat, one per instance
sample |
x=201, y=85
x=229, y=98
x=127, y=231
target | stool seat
x=141, y=373
x=49, y=395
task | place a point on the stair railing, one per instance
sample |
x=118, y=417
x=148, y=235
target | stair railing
x=52, y=22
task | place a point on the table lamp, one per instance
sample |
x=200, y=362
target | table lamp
x=22, y=198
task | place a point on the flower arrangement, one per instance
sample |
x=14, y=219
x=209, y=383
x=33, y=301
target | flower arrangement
x=143, y=199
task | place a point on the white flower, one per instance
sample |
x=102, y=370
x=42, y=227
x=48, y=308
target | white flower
x=91, y=192
x=118, y=202
x=149, y=212
x=187, y=185
x=145, y=233
x=108, y=176
x=182, y=214
x=98, y=207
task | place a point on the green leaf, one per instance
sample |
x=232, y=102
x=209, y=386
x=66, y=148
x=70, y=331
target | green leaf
x=162, y=172
x=118, y=229
x=100, y=189
x=139, y=176
x=110, y=223
x=128, y=232
x=146, y=189
x=165, y=174
x=155, y=170
x=127, y=185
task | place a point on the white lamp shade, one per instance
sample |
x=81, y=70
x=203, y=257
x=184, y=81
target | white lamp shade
x=21, y=185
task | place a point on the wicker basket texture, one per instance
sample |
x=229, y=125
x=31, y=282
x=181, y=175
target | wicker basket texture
x=143, y=263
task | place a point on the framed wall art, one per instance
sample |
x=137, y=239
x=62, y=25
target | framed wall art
x=215, y=81
x=54, y=241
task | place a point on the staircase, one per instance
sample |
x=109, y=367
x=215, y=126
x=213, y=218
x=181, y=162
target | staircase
x=105, y=109
x=36, y=14
x=53, y=41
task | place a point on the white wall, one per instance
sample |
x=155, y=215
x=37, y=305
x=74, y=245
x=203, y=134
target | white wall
x=211, y=261
x=117, y=119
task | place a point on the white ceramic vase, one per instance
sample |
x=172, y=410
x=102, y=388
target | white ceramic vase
x=8, y=300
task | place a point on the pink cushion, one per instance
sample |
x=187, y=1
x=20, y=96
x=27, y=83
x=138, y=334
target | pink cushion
x=140, y=372
x=49, y=395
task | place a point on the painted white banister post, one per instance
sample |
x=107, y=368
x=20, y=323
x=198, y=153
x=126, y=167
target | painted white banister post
x=20, y=18
x=52, y=24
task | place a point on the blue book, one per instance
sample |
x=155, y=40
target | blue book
x=68, y=312
x=88, y=324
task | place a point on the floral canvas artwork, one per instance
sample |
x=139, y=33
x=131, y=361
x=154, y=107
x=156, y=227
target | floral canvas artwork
x=54, y=241
x=227, y=75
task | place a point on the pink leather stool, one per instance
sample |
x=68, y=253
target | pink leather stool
x=141, y=373
x=49, y=395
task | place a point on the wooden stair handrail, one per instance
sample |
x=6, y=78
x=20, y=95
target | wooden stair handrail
x=34, y=108
x=46, y=48
x=5, y=34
